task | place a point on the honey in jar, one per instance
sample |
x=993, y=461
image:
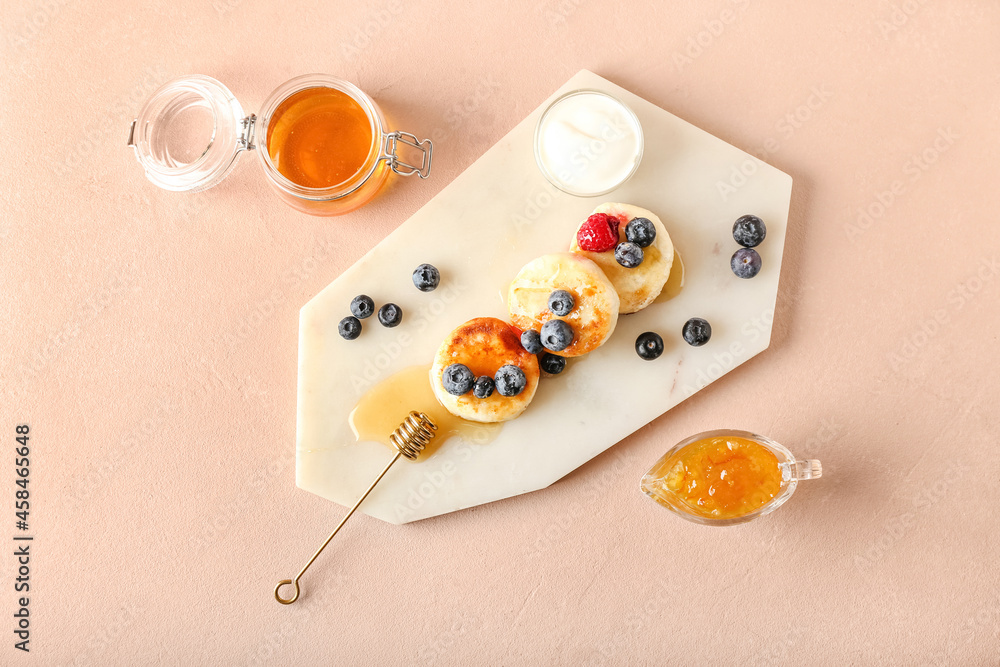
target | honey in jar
x=319, y=137
x=723, y=477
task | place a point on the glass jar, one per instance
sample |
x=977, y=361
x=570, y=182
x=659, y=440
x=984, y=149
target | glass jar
x=190, y=134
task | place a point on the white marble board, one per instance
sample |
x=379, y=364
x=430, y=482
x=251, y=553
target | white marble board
x=479, y=230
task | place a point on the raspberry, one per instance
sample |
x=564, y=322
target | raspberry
x=599, y=233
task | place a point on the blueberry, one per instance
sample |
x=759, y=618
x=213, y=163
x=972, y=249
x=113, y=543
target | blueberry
x=697, y=331
x=628, y=254
x=390, y=315
x=510, y=380
x=483, y=388
x=362, y=306
x=649, y=345
x=349, y=327
x=457, y=379
x=749, y=231
x=426, y=277
x=557, y=335
x=552, y=364
x=561, y=302
x=531, y=341
x=745, y=263
x=640, y=231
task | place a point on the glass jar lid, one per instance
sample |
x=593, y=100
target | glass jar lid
x=189, y=134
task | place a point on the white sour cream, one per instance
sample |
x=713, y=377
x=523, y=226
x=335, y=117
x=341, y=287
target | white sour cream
x=588, y=143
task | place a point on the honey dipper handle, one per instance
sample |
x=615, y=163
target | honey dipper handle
x=295, y=581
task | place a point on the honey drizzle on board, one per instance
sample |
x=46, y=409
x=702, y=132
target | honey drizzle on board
x=675, y=281
x=383, y=407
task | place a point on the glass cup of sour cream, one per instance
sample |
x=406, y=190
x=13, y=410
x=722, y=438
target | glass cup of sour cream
x=587, y=143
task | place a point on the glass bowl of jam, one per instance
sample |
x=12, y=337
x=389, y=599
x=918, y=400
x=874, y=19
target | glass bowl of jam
x=726, y=477
x=323, y=144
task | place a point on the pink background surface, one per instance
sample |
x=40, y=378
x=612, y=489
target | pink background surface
x=150, y=343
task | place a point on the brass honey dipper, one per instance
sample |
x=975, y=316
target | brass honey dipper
x=410, y=438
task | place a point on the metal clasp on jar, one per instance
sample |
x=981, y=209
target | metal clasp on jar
x=245, y=140
x=391, y=144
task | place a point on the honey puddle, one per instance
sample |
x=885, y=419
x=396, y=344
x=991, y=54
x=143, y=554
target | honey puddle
x=384, y=407
x=675, y=281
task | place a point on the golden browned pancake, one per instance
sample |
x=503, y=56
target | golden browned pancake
x=484, y=345
x=638, y=287
x=595, y=314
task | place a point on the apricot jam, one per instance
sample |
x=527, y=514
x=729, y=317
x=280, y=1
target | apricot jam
x=716, y=478
x=319, y=137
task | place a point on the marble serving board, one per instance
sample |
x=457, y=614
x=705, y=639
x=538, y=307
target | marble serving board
x=479, y=230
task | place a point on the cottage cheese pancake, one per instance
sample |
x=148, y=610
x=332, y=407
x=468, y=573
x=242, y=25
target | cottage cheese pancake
x=484, y=345
x=637, y=287
x=594, y=312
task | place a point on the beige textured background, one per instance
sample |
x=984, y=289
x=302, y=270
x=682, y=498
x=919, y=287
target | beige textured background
x=149, y=339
